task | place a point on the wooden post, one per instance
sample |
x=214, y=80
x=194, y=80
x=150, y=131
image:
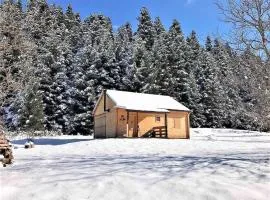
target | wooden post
x=104, y=94
x=137, y=128
x=116, y=128
x=166, y=127
x=127, y=121
x=188, y=126
x=94, y=127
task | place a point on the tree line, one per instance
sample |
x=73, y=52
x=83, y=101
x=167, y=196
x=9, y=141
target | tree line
x=63, y=63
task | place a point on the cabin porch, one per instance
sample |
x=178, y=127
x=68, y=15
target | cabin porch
x=141, y=124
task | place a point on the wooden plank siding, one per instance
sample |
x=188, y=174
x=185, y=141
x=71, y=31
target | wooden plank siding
x=100, y=126
x=121, y=129
x=105, y=122
x=178, y=124
x=111, y=121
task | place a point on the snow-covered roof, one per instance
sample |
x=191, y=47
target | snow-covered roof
x=144, y=102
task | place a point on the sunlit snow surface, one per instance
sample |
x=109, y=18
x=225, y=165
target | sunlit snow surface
x=213, y=164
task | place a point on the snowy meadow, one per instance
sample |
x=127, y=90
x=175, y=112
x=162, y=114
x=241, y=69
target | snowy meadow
x=213, y=164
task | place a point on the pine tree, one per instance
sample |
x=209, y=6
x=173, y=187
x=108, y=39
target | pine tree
x=158, y=27
x=38, y=23
x=146, y=29
x=210, y=91
x=193, y=68
x=143, y=43
x=208, y=44
x=31, y=114
x=178, y=82
x=159, y=76
x=73, y=32
x=247, y=72
x=143, y=64
x=124, y=57
x=73, y=61
x=73, y=42
x=226, y=78
x=53, y=62
x=192, y=52
x=102, y=40
x=95, y=69
x=16, y=54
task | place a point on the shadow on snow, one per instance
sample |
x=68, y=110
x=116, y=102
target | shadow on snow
x=244, y=166
x=49, y=141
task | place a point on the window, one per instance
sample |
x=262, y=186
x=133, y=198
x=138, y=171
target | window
x=176, y=122
x=157, y=118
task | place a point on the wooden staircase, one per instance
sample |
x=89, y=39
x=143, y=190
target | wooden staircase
x=156, y=132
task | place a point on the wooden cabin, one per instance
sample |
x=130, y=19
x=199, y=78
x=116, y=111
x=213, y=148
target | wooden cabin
x=129, y=114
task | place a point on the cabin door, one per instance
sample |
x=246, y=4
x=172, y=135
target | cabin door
x=132, y=125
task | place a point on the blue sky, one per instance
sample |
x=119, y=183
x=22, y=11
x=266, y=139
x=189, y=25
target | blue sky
x=199, y=15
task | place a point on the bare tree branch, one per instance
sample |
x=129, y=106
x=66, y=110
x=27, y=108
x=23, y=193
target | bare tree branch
x=251, y=23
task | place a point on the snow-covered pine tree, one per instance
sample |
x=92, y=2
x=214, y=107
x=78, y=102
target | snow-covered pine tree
x=180, y=81
x=208, y=44
x=124, y=56
x=75, y=60
x=102, y=39
x=159, y=28
x=82, y=91
x=143, y=63
x=146, y=30
x=62, y=68
x=38, y=24
x=159, y=76
x=73, y=32
x=31, y=115
x=73, y=42
x=192, y=54
x=16, y=56
x=143, y=43
x=193, y=68
x=226, y=77
x=46, y=25
x=210, y=91
x=95, y=69
x=248, y=71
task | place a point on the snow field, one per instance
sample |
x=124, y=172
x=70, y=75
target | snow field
x=213, y=164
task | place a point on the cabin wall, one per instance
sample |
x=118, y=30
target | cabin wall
x=178, y=124
x=105, y=122
x=100, y=126
x=121, y=130
x=111, y=121
x=100, y=107
x=147, y=120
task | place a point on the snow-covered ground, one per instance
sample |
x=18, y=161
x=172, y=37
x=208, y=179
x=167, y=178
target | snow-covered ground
x=213, y=164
